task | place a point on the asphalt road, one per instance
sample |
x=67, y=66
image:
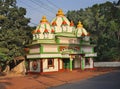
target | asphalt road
x=106, y=81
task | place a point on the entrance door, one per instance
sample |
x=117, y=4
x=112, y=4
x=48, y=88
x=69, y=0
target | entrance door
x=66, y=64
x=77, y=63
x=73, y=63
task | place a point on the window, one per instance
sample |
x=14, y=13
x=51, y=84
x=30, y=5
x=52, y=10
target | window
x=35, y=65
x=87, y=61
x=50, y=62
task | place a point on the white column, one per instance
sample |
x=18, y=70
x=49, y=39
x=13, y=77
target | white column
x=91, y=63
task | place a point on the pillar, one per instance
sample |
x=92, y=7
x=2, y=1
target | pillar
x=91, y=63
x=82, y=63
x=71, y=59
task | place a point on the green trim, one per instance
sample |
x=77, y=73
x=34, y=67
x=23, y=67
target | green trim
x=66, y=52
x=45, y=26
x=47, y=57
x=35, y=53
x=82, y=64
x=62, y=19
x=71, y=65
x=81, y=41
x=86, y=41
x=62, y=28
x=63, y=44
x=58, y=49
x=86, y=52
x=91, y=56
x=41, y=49
x=76, y=32
x=41, y=58
x=57, y=40
x=46, y=41
x=81, y=51
x=88, y=45
x=93, y=50
x=50, y=53
x=65, y=34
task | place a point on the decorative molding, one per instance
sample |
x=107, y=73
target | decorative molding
x=43, y=55
x=91, y=55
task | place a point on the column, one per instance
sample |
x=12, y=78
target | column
x=71, y=59
x=82, y=63
x=91, y=63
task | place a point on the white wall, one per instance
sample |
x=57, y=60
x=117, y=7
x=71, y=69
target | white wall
x=38, y=69
x=87, y=49
x=106, y=64
x=50, y=48
x=77, y=63
x=50, y=69
x=61, y=64
x=69, y=40
x=35, y=49
x=91, y=64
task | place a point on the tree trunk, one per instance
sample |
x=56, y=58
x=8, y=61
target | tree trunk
x=7, y=69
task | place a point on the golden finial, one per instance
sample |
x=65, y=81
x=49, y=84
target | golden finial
x=60, y=12
x=79, y=25
x=44, y=19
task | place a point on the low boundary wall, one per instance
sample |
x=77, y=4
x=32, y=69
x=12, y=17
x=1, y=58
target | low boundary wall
x=106, y=64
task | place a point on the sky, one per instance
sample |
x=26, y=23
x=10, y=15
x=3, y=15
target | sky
x=37, y=8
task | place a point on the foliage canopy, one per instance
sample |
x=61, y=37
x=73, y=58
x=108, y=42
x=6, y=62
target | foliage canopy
x=14, y=30
x=103, y=22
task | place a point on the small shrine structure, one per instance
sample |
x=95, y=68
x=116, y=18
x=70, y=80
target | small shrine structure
x=59, y=46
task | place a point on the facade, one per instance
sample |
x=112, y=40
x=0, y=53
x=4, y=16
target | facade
x=59, y=45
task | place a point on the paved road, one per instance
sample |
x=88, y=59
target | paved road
x=106, y=81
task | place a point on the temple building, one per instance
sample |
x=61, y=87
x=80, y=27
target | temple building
x=59, y=46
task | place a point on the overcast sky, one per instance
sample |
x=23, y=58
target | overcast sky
x=37, y=8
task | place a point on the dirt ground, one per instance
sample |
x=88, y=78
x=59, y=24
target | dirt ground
x=43, y=81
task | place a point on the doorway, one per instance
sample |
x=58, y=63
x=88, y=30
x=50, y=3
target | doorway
x=66, y=63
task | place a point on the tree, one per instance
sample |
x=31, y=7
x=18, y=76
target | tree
x=103, y=22
x=14, y=30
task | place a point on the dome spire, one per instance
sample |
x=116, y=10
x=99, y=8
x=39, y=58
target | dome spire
x=79, y=25
x=60, y=13
x=43, y=19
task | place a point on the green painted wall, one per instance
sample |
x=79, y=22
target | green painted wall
x=71, y=66
x=41, y=49
x=82, y=64
x=57, y=40
x=93, y=49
